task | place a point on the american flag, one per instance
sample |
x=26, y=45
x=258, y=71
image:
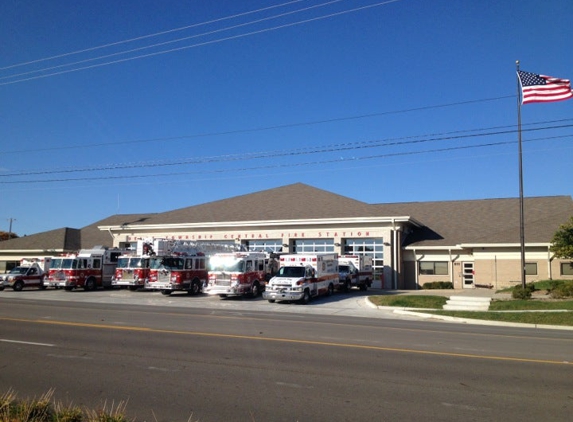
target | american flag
x=540, y=88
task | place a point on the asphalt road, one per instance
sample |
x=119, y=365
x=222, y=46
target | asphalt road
x=183, y=358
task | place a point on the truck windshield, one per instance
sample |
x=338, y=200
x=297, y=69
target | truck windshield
x=123, y=263
x=291, y=272
x=167, y=263
x=217, y=263
x=139, y=262
x=344, y=268
x=19, y=270
x=56, y=264
x=69, y=264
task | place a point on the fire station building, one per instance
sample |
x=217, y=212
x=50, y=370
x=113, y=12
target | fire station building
x=469, y=243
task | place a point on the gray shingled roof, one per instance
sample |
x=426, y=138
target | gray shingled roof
x=92, y=236
x=68, y=240
x=296, y=201
x=65, y=239
x=447, y=223
x=483, y=221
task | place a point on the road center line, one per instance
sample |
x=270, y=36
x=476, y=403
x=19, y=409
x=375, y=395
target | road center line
x=286, y=340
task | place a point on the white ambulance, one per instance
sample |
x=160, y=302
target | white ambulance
x=304, y=276
x=355, y=271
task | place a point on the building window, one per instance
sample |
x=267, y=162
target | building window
x=216, y=246
x=531, y=268
x=368, y=247
x=434, y=267
x=567, y=268
x=314, y=245
x=265, y=245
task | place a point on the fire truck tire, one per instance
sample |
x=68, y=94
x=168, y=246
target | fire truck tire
x=90, y=285
x=43, y=286
x=68, y=288
x=271, y=301
x=347, y=285
x=364, y=287
x=194, y=288
x=330, y=290
x=305, y=297
x=165, y=292
x=133, y=288
x=18, y=286
x=256, y=290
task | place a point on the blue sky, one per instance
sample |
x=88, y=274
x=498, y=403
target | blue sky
x=379, y=101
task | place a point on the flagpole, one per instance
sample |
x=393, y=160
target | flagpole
x=521, y=212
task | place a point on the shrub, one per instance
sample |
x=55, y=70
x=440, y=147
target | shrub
x=561, y=289
x=519, y=292
x=438, y=285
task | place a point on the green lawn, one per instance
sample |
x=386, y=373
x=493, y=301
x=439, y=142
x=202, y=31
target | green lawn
x=500, y=310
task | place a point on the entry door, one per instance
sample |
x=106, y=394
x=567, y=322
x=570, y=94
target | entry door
x=468, y=275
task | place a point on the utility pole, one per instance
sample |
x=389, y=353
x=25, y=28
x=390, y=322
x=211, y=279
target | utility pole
x=10, y=229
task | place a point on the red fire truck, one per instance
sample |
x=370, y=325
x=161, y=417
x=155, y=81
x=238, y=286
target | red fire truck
x=176, y=266
x=133, y=268
x=89, y=268
x=238, y=274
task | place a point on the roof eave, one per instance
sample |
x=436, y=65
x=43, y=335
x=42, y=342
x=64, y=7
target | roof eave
x=264, y=223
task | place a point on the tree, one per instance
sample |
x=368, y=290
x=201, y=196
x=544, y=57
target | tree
x=6, y=235
x=562, y=243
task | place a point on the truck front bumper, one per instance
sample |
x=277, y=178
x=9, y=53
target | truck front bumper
x=282, y=295
x=127, y=283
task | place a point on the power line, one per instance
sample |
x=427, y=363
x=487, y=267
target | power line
x=168, y=42
x=301, y=151
x=202, y=43
x=369, y=157
x=259, y=129
x=99, y=47
x=377, y=143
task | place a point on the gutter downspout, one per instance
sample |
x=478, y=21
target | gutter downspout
x=451, y=266
x=395, y=258
x=549, y=259
x=416, y=266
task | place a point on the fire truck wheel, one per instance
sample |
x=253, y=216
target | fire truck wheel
x=165, y=292
x=18, y=286
x=68, y=288
x=195, y=287
x=347, y=286
x=43, y=286
x=133, y=288
x=256, y=289
x=330, y=290
x=89, y=285
x=271, y=301
x=364, y=287
x=305, y=297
